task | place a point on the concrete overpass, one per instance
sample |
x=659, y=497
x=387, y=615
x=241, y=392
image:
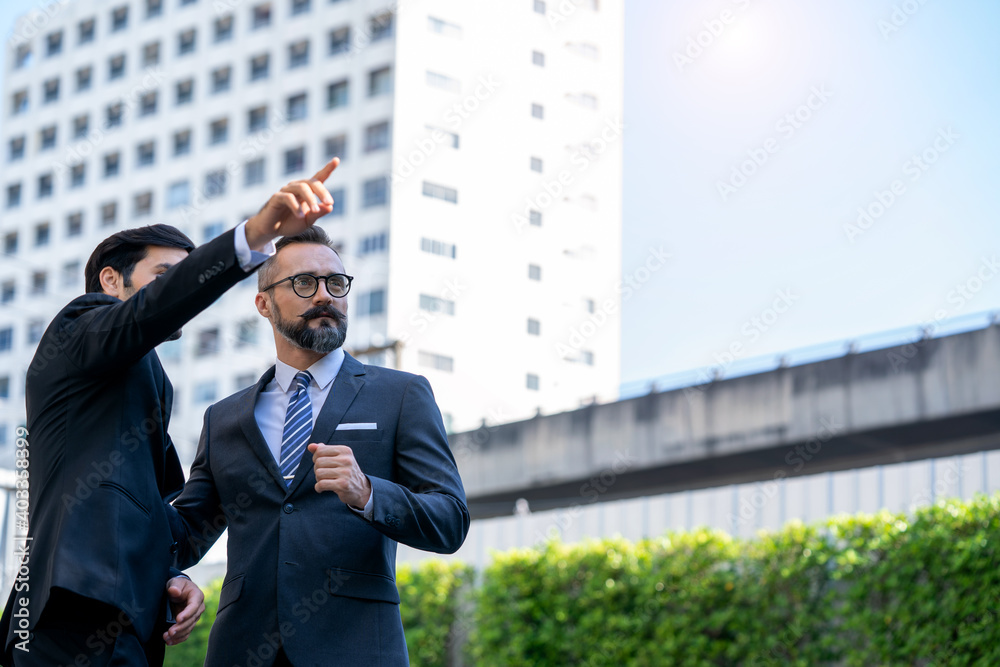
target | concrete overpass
x=933, y=397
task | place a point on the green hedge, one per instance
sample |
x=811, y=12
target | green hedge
x=864, y=590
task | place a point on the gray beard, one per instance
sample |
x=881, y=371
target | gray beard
x=323, y=340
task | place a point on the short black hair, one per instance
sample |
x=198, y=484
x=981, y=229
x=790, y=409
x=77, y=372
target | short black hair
x=314, y=234
x=123, y=250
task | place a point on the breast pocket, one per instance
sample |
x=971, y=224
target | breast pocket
x=349, y=437
x=373, y=455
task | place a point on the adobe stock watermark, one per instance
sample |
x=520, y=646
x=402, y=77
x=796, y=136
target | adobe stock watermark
x=914, y=168
x=36, y=20
x=455, y=117
x=713, y=29
x=786, y=126
x=625, y=288
x=899, y=17
x=565, y=10
x=586, y=154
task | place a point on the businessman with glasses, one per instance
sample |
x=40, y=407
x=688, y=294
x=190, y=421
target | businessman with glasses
x=318, y=471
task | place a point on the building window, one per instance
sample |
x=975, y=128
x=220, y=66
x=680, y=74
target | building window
x=19, y=102
x=218, y=132
x=585, y=100
x=443, y=136
x=340, y=40
x=204, y=392
x=443, y=82
x=374, y=244
x=208, y=342
x=438, y=248
x=13, y=195
x=295, y=160
x=43, y=234
x=371, y=303
x=113, y=115
x=297, y=107
x=151, y=54
x=53, y=43
x=35, y=330
x=142, y=204
x=71, y=273
x=375, y=192
x=298, y=54
x=178, y=194
x=186, y=41
x=261, y=15
x=215, y=184
x=223, y=28
x=260, y=66
x=539, y=6
x=377, y=137
x=442, y=27
x=10, y=243
x=335, y=147
x=81, y=125
x=109, y=214
x=436, y=361
x=246, y=334
x=211, y=230
x=22, y=57
x=50, y=91
x=154, y=8
x=436, y=305
x=39, y=282
x=244, y=381
x=47, y=138
x=587, y=357
x=381, y=26
x=147, y=105
x=380, y=81
x=336, y=94
x=45, y=186
x=536, y=164
x=119, y=18
x=221, y=79
x=338, y=203
x=116, y=67
x=537, y=111
x=535, y=218
x=257, y=119
x=78, y=175
x=16, y=148
x=145, y=154
x=84, y=78
x=4, y=387
x=74, y=224
x=538, y=58
x=112, y=164
x=534, y=272
x=531, y=381
x=534, y=327
x=442, y=192
x=6, y=339
x=182, y=142
x=253, y=172
x=185, y=91
x=8, y=291
x=300, y=6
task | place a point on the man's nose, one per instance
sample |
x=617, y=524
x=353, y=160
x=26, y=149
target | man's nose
x=322, y=294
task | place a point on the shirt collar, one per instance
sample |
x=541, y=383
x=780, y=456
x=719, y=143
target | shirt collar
x=323, y=371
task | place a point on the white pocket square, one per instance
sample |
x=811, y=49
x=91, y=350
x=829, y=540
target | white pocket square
x=357, y=426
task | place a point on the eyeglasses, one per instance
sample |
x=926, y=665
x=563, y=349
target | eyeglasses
x=306, y=285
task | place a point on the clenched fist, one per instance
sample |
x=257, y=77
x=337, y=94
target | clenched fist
x=337, y=470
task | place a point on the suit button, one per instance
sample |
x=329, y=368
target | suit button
x=173, y=548
x=391, y=520
x=288, y=508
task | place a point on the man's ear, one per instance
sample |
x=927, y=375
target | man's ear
x=111, y=283
x=263, y=305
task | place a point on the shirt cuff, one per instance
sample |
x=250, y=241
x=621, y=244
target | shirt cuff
x=250, y=259
x=368, y=512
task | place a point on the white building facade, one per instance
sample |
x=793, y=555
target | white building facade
x=478, y=198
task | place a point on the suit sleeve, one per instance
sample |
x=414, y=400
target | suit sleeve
x=123, y=332
x=197, y=519
x=424, y=507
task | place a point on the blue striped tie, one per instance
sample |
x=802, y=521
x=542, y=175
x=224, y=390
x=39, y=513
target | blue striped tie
x=298, y=427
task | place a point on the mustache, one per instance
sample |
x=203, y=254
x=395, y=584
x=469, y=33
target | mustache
x=324, y=311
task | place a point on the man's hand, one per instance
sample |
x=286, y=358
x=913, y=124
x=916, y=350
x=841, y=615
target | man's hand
x=188, y=604
x=338, y=471
x=293, y=209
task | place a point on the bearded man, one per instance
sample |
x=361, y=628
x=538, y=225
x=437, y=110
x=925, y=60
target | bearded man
x=318, y=471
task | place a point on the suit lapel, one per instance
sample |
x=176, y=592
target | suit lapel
x=252, y=432
x=345, y=389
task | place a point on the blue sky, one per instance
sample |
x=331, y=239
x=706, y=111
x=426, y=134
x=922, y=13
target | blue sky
x=756, y=129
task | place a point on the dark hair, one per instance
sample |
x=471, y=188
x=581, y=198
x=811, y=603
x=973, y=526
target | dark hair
x=265, y=274
x=122, y=251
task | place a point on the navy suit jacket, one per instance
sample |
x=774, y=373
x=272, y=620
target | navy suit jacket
x=304, y=571
x=101, y=462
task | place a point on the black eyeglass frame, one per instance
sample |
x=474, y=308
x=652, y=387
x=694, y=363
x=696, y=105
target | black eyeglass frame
x=325, y=279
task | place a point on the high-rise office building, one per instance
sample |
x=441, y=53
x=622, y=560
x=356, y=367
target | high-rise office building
x=478, y=202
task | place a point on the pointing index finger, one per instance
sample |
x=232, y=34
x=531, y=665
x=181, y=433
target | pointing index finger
x=327, y=169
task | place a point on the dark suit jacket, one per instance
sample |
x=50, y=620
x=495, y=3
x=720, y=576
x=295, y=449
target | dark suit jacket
x=304, y=571
x=101, y=462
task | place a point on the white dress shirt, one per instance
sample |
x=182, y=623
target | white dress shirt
x=272, y=403
x=249, y=259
